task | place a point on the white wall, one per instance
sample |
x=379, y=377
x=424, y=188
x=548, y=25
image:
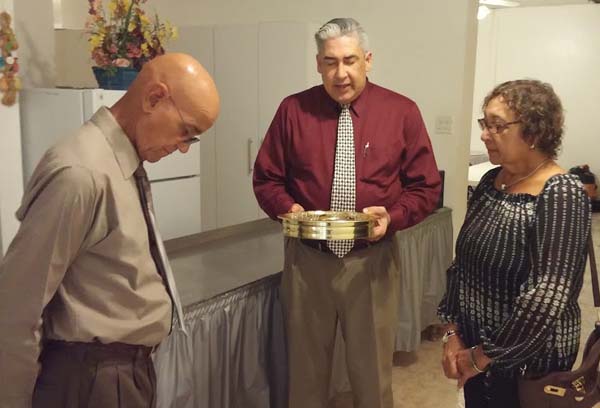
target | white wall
x=73, y=62
x=11, y=177
x=73, y=13
x=34, y=27
x=424, y=49
x=563, y=51
x=485, y=74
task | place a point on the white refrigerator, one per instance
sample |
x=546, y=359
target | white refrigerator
x=48, y=114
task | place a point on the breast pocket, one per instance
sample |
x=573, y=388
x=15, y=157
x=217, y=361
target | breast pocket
x=379, y=163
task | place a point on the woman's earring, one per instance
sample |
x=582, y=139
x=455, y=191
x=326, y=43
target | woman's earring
x=532, y=147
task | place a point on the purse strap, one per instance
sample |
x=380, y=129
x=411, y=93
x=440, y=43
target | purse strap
x=594, y=272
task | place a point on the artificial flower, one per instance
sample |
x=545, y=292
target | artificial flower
x=125, y=34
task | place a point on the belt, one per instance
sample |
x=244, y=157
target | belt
x=99, y=350
x=321, y=245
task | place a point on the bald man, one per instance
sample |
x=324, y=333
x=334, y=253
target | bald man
x=85, y=288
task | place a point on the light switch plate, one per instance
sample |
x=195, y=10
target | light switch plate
x=443, y=125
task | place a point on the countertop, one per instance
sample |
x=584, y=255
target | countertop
x=213, y=263
x=210, y=268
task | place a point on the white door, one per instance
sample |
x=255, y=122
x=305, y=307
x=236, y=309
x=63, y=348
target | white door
x=286, y=65
x=47, y=115
x=177, y=207
x=198, y=42
x=236, y=76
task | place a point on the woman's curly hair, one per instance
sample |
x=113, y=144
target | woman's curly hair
x=538, y=108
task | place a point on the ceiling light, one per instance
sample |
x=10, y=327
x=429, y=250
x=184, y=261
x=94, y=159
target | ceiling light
x=499, y=3
x=482, y=12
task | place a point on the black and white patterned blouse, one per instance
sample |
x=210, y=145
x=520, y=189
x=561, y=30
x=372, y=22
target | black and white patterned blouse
x=518, y=271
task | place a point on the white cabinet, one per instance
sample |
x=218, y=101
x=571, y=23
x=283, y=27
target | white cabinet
x=50, y=114
x=236, y=76
x=46, y=116
x=254, y=66
x=177, y=206
x=286, y=65
x=198, y=42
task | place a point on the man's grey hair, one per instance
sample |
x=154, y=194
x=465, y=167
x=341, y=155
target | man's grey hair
x=339, y=27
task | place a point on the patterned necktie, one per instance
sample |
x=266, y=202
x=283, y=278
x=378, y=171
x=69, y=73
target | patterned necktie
x=343, y=191
x=157, y=248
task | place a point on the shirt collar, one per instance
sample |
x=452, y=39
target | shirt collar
x=358, y=106
x=123, y=149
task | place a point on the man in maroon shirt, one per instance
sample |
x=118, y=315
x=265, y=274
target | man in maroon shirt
x=392, y=175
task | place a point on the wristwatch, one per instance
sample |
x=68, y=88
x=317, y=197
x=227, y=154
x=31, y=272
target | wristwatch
x=448, y=334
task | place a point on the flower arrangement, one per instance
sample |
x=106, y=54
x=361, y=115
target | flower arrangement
x=127, y=37
x=10, y=83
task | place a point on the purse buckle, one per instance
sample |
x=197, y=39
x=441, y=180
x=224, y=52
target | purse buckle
x=554, y=390
x=579, y=384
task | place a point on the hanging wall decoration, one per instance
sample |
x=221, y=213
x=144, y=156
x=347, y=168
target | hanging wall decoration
x=10, y=83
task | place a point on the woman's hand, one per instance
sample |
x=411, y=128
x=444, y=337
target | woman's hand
x=451, y=350
x=464, y=362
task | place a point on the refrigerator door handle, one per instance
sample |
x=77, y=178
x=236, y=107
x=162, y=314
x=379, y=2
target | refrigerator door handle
x=250, y=144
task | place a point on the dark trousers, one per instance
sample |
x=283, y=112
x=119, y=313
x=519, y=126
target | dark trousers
x=491, y=392
x=94, y=375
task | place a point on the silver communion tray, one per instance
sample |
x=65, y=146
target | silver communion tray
x=332, y=225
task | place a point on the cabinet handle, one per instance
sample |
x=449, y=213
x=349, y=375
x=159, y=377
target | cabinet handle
x=250, y=143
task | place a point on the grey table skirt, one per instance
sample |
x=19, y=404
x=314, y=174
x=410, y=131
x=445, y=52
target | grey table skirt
x=234, y=355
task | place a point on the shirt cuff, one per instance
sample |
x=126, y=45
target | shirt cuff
x=280, y=207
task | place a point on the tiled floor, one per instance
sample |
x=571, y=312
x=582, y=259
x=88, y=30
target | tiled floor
x=419, y=381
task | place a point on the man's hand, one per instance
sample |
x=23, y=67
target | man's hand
x=296, y=208
x=383, y=220
x=451, y=349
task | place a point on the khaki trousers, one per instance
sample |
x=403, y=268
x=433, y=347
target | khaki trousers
x=91, y=375
x=318, y=290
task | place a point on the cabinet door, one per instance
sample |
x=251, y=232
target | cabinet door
x=177, y=207
x=236, y=76
x=40, y=124
x=286, y=65
x=198, y=42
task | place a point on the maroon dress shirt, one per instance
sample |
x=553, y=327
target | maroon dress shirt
x=395, y=166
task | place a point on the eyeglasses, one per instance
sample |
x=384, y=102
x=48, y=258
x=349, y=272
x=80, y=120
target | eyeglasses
x=495, y=128
x=191, y=139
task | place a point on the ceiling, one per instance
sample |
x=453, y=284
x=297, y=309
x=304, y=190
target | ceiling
x=533, y=3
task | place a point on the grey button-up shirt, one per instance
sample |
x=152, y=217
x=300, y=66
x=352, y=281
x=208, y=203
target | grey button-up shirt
x=80, y=267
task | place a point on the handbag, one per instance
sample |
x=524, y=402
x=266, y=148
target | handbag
x=569, y=389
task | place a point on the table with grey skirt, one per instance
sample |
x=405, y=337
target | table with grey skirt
x=234, y=354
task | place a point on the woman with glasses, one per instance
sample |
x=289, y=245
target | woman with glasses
x=510, y=306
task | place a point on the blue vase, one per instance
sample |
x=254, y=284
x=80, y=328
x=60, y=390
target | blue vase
x=116, y=78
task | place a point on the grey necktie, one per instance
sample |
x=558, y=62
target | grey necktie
x=343, y=190
x=157, y=248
